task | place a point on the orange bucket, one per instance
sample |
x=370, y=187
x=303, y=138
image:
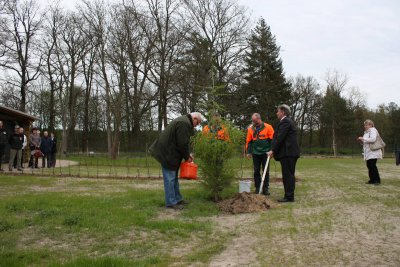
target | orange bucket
x=188, y=170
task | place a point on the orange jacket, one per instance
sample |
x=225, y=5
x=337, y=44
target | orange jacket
x=219, y=135
x=259, y=141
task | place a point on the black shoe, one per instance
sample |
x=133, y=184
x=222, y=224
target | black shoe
x=377, y=183
x=369, y=182
x=266, y=192
x=257, y=190
x=176, y=207
x=285, y=200
x=183, y=202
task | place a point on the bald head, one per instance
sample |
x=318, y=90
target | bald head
x=256, y=119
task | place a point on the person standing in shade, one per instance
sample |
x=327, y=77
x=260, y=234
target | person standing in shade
x=286, y=150
x=53, y=150
x=16, y=140
x=34, y=143
x=21, y=131
x=371, y=156
x=3, y=143
x=258, y=143
x=46, y=147
x=170, y=148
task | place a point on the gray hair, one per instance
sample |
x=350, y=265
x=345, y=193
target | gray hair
x=197, y=115
x=285, y=108
x=257, y=115
x=369, y=122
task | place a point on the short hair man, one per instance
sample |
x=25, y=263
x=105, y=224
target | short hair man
x=46, y=147
x=286, y=150
x=24, y=143
x=16, y=140
x=169, y=149
x=258, y=143
x=34, y=143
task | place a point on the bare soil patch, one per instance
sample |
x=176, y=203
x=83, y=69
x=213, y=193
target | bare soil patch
x=246, y=202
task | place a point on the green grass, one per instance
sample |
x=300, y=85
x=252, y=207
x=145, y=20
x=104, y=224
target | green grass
x=50, y=221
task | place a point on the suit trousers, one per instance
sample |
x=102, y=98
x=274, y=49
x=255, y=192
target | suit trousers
x=288, y=165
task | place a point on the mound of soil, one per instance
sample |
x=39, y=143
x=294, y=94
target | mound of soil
x=246, y=202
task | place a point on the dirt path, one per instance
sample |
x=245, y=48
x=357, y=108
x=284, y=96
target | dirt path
x=59, y=164
x=240, y=250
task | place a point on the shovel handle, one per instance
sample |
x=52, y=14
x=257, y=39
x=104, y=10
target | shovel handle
x=263, y=177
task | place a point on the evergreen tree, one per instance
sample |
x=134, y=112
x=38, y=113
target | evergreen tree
x=265, y=86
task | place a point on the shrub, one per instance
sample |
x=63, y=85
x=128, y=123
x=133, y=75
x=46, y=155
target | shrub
x=214, y=156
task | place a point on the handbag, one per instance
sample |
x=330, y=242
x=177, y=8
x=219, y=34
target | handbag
x=378, y=144
x=38, y=153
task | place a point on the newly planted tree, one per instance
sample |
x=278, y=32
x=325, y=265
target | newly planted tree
x=215, y=148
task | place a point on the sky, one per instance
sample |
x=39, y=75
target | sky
x=359, y=38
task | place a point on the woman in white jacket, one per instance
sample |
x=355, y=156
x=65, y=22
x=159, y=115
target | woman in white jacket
x=371, y=156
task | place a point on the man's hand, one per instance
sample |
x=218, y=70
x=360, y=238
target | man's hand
x=270, y=153
x=190, y=159
x=248, y=156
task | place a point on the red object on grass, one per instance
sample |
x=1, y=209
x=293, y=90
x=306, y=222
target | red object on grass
x=188, y=170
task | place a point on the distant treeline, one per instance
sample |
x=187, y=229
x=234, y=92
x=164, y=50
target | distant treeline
x=112, y=74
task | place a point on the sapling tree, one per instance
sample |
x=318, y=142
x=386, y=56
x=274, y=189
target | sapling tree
x=215, y=149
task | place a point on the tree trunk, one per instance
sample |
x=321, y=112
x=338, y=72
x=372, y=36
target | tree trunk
x=334, y=140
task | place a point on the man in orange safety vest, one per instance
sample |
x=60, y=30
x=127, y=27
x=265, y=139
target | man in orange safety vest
x=258, y=143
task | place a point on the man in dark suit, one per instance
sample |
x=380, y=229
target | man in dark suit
x=286, y=150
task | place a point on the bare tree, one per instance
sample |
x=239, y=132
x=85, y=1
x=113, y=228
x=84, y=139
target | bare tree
x=72, y=46
x=20, y=26
x=224, y=26
x=335, y=105
x=168, y=36
x=50, y=50
x=304, y=92
x=140, y=50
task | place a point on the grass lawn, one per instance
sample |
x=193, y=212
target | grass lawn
x=336, y=220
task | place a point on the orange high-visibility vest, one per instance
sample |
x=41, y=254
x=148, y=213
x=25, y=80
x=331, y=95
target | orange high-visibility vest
x=252, y=135
x=219, y=135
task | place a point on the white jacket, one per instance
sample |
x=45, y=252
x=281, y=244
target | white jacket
x=369, y=138
x=25, y=142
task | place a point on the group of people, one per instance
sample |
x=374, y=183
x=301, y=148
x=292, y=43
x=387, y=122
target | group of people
x=262, y=141
x=44, y=147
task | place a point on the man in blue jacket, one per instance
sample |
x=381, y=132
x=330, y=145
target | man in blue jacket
x=46, y=146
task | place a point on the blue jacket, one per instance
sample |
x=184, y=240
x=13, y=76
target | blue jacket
x=46, y=145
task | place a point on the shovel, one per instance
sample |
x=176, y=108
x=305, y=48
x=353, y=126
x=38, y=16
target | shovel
x=263, y=177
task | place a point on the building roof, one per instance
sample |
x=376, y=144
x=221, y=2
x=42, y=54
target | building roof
x=10, y=112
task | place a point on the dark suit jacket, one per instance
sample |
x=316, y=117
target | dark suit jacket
x=285, y=140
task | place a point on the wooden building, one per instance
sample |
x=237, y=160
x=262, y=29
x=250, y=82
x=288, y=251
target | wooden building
x=12, y=117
